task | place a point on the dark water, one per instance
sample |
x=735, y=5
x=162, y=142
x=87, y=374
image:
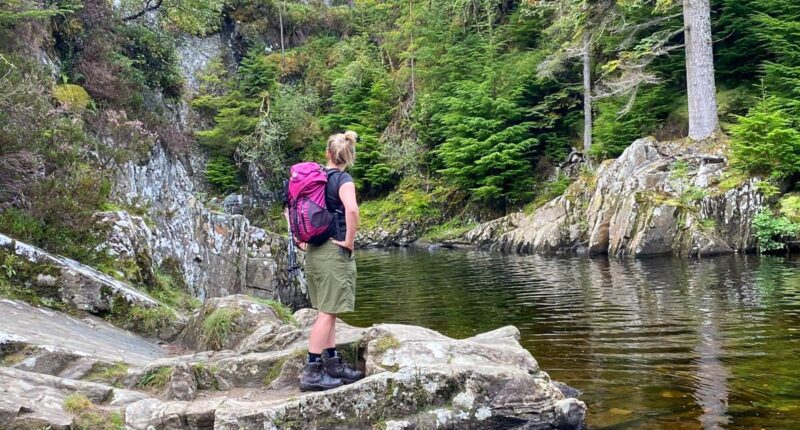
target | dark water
x=653, y=344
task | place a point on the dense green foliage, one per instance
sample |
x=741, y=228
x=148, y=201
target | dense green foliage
x=773, y=231
x=456, y=90
x=479, y=99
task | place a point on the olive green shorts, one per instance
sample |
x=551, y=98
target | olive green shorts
x=331, y=276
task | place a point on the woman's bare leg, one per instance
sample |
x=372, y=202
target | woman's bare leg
x=331, y=340
x=320, y=332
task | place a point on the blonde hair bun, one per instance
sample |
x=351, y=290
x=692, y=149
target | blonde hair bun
x=342, y=148
x=351, y=136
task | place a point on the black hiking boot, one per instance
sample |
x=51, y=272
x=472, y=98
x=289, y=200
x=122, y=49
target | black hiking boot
x=337, y=368
x=315, y=378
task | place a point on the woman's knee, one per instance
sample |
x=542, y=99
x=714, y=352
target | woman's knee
x=324, y=316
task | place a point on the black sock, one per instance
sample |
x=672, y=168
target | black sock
x=331, y=352
x=313, y=358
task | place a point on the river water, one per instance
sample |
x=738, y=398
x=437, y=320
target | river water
x=653, y=344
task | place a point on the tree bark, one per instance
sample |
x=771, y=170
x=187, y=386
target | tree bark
x=587, y=91
x=411, y=44
x=701, y=89
x=283, y=50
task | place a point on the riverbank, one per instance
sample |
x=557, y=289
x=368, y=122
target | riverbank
x=657, y=198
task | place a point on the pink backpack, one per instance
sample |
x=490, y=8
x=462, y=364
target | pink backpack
x=309, y=217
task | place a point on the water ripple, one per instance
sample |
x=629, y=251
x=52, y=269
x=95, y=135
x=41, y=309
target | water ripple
x=653, y=344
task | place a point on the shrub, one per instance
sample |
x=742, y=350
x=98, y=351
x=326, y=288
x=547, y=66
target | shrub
x=72, y=96
x=773, y=232
x=153, y=56
x=766, y=141
x=223, y=174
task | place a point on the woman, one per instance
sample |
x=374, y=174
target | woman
x=331, y=272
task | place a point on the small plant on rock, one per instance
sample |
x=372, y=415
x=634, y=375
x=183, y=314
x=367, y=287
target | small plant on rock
x=155, y=379
x=76, y=403
x=282, y=311
x=218, y=325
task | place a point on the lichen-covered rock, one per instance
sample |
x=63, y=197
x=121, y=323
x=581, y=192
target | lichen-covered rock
x=487, y=233
x=226, y=322
x=267, y=270
x=181, y=385
x=35, y=401
x=656, y=198
x=44, y=341
x=218, y=254
x=128, y=239
x=403, y=234
x=417, y=378
x=74, y=284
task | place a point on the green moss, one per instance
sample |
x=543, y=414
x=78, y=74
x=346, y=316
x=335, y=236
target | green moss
x=109, y=374
x=155, y=380
x=218, y=325
x=274, y=371
x=418, y=202
x=171, y=289
x=97, y=419
x=548, y=191
x=790, y=206
x=450, y=230
x=16, y=355
x=72, y=96
x=17, y=282
x=76, y=403
x=143, y=320
x=385, y=343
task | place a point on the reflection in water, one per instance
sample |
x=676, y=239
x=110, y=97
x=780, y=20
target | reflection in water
x=661, y=343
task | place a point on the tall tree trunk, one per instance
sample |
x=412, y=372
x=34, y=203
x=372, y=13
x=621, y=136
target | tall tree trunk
x=701, y=89
x=587, y=91
x=411, y=57
x=280, y=20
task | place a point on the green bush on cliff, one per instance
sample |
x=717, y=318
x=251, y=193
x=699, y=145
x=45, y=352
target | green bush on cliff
x=774, y=231
x=223, y=174
x=154, y=59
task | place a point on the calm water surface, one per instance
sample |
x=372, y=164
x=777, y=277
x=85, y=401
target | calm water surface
x=653, y=344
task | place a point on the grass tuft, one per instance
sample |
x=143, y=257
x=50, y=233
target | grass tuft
x=155, y=380
x=76, y=403
x=218, y=325
x=110, y=374
x=284, y=313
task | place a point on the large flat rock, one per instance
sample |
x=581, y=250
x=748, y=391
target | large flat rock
x=92, y=337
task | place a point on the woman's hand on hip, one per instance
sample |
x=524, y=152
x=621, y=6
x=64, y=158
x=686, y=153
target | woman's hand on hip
x=345, y=244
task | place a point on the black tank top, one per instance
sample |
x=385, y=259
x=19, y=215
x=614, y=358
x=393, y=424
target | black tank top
x=336, y=178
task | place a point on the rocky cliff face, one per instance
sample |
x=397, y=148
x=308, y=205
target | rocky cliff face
x=656, y=198
x=218, y=254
